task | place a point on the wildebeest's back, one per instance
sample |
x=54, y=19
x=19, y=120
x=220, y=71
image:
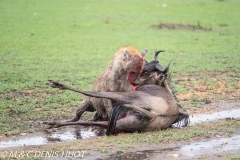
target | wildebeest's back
x=160, y=95
x=155, y=90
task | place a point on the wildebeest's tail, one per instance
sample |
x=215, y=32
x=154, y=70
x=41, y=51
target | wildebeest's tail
x=181, y=121
x=113, y=118
x=183, y=118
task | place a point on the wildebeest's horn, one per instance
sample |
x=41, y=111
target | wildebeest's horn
x=159, y=67
x=156, y=54
x=166, y=69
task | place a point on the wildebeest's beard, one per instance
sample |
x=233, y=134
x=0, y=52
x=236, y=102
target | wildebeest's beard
x=120, y=112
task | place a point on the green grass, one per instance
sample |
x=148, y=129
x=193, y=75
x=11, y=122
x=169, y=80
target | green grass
x=73, y=41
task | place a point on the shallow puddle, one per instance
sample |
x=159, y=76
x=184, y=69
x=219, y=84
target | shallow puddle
x=72, y=133
x=211, y=146
x=198, y=118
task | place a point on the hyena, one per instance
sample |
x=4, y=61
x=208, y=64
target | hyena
x=121, y=75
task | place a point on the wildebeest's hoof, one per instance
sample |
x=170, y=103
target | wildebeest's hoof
x=55, y=84
x=52, y=124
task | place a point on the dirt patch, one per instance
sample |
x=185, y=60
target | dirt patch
x=28, y=93
x=173, y=26
x=199, y=89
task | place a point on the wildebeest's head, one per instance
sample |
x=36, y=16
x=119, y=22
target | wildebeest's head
x=154, y=73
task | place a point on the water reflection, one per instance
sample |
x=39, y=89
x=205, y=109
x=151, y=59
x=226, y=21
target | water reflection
x=71, y=133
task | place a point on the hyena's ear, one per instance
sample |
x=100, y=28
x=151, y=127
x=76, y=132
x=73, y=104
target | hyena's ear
x=127, y=55
x=144, y=52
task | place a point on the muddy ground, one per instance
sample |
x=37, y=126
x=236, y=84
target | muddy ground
x=195, y=148
x=220, y=146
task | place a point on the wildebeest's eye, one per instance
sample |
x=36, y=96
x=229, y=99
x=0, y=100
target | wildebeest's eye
x=146, y=73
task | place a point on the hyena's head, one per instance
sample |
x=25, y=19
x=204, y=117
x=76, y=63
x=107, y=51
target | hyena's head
x=134, y=64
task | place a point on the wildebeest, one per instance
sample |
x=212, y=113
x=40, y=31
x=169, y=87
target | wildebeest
x=121, y=75
x=150, y=107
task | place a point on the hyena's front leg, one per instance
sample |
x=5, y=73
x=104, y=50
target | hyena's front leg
x=84, y=106
x=108, y=106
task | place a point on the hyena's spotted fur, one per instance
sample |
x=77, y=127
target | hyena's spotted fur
x=121, y=75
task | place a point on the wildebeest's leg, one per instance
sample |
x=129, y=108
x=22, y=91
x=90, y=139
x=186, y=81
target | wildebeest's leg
x=142, y=111
x=114, y=96
x=103, y=124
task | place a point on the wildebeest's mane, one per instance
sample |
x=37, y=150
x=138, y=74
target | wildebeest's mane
x=169, y=82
